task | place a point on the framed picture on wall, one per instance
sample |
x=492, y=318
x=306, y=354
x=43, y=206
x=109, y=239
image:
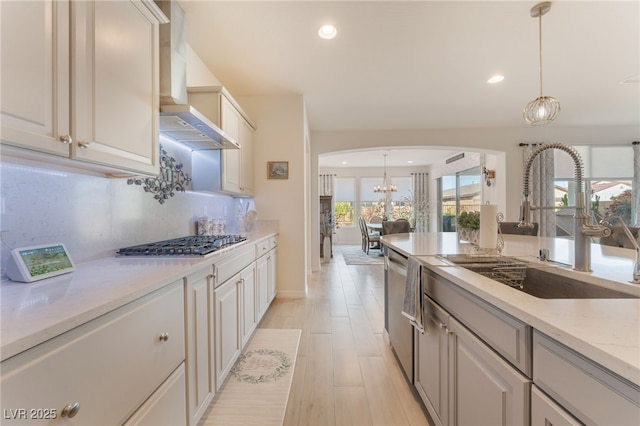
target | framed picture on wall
x=277, y=170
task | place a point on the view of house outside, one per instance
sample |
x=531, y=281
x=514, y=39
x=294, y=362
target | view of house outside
x=607, y=197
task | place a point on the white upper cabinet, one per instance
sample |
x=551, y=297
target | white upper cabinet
x=236, y=165
x=83, y=81
x=35, y=75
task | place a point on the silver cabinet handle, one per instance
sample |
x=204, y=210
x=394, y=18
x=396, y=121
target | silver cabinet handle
x=84, y=144
x=70, y=410
x=66, y=139
x=164, y=337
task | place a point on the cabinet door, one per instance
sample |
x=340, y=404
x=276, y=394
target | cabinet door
x=545, y=412
x=115, y=88
x=231, y=157
x=483, y=388
x=246, y=153
x=227, y=328
x=432, y=361
x=248, y=297
x=35, y=75
x=200, y=345
x=271, y=266
x=166, y=407
x=262, y=286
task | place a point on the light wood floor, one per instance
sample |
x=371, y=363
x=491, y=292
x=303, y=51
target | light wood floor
x=345, y=374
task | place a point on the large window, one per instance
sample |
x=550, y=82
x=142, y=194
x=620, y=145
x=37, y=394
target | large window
x=608, y=176
x=401, y=200
x=458, y=193
x=344, y=201
x=375, y=203
x=371, y=203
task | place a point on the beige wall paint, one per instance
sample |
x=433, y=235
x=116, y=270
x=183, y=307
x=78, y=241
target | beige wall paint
x=280, y=136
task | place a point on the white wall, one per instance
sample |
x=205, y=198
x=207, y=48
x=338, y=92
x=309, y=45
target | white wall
x=280, y=136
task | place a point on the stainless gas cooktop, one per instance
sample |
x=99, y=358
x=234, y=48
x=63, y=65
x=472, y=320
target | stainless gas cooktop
x=193, y=246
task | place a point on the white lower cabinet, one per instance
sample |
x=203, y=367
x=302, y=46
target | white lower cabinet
x=200, y=342
x=464, y=379
x=101, y=372
x=591, y=393
x=546, y=412
x=262, y=286
x=432, y=364
x=227, y=328
x=167, y=406
x=272, y=267
x=483, y=388
x=248, y=297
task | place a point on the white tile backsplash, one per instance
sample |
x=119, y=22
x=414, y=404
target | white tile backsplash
x=94, y=215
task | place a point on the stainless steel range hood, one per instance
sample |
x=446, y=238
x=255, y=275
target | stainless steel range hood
x=178, y=119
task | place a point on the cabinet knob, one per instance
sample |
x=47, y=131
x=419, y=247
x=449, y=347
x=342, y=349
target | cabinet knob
x=70, y=410
x=84, y=144
x=164, y=337
x=66, y=139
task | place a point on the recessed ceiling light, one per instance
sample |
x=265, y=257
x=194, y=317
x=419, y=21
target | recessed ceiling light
x=495, y=79
x=327, y=32
x=345, y=162
x=632, y=80
x=410, y=161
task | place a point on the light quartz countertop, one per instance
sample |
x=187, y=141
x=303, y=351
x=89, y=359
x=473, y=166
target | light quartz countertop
x=35, y=312
x=606, y=331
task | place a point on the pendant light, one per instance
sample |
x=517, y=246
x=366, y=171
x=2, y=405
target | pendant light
x=543, y=109
x=386, y=185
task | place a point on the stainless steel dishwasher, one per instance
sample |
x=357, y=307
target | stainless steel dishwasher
x=398, y=326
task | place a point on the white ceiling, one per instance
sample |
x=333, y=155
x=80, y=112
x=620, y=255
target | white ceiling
x=396, y=157
x=424, y=64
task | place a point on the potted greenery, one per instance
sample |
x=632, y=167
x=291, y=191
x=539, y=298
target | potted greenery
x=468, y=226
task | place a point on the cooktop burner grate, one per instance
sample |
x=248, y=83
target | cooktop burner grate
x=184, y=246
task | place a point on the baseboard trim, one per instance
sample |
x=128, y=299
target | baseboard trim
x=291, y=294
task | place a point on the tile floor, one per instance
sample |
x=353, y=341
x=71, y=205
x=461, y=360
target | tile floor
x=345, y=374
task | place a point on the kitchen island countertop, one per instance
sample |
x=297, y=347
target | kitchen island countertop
x=606, y=331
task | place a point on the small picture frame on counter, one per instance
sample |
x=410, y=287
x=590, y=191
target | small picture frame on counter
x=277, y=170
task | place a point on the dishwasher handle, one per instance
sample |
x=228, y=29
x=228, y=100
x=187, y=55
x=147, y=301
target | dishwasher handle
x=396, y=262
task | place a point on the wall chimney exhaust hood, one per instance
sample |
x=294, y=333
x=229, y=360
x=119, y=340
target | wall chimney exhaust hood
x=178, y=119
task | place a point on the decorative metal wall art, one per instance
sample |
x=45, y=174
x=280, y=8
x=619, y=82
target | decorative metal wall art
x=170, y=179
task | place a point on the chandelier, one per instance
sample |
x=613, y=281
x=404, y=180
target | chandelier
x=386, y=185
x=543, y=109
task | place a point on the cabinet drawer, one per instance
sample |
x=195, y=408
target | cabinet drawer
x=110, y=365
x=167, y=405
x=236, y=261
x=545, y=411
x=262, y=247
x=587, y=390
x=508, y=336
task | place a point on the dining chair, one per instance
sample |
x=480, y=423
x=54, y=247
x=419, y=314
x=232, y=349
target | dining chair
x=513, y=228
x=375, y=219
x=400, y=226
x=367, y=237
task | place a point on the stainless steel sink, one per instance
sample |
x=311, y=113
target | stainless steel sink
x=538, y=282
